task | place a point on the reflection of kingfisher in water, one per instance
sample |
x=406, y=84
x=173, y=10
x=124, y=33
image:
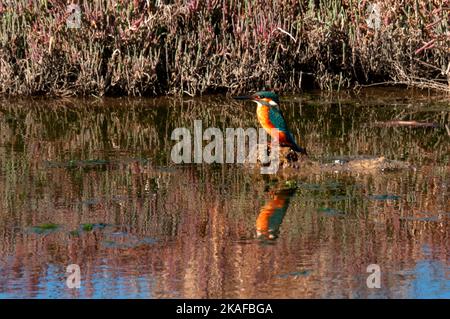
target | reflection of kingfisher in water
x=272, y=213
x=270, y=117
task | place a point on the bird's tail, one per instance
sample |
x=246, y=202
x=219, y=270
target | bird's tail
x=299, y=149
x=294, y=145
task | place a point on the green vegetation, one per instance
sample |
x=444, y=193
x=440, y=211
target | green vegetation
x=194, y=47
x=87, y=227
x=44, y=228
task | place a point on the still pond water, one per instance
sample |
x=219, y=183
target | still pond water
x=90, y=182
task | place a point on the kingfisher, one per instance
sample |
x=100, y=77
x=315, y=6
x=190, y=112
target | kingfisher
x=270, y=117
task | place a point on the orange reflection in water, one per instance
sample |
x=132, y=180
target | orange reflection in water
x=272, y=213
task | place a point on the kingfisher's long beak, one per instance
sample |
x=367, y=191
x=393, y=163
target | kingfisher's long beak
x=245, y=97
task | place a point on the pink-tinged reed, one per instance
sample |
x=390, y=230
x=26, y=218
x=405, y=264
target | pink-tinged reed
x=195, y=47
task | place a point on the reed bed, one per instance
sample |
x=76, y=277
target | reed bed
x=125, y=47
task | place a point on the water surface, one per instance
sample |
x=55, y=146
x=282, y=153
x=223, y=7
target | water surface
x=90, y=182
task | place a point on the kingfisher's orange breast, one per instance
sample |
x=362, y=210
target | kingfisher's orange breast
x=263, y=117
x=262, y=113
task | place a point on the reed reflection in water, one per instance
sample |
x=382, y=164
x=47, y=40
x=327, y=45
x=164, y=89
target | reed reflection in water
x=90, y=183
